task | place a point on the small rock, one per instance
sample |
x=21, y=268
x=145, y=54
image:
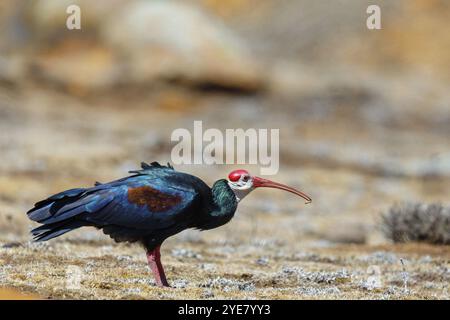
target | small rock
x=14, y=244
x=247, y=286
x=262, y=261
x=132, y=291
x=186, y=253
x=207, y=266
x=426, y=259
x=124, y=258
x=180, y=283
x=317, y=277
x=381, y=257
x=309, y=291
x=207, y=293
x=228, y=284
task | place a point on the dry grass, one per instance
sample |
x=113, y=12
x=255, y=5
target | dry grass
x=418, y=222
x=221, y=271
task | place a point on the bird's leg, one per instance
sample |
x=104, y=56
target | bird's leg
x=154, y=261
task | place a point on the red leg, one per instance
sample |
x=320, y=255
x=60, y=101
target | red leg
x=154, y=261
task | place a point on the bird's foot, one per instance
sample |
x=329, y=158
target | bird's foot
x=162, y=284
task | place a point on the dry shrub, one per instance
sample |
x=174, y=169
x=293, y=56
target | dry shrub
x=416, y=222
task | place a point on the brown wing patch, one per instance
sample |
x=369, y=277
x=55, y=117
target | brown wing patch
x=155, y=200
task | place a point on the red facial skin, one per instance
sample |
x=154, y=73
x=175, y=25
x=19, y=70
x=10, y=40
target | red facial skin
x=236, y=174
x=264, y=183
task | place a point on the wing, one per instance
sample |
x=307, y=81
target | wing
x=149, y=202
x=141, y=203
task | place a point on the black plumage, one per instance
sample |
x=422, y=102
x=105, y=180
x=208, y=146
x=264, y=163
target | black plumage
x=149, y=206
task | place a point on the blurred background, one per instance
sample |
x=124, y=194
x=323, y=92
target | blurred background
x=364, y=115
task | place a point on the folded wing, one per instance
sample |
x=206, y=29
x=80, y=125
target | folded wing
x=126, y=209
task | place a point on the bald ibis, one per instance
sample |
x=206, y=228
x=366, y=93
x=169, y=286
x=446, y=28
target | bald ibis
x=148, y=207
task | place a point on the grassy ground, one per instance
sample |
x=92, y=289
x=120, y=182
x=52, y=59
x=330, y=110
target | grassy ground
x=229, y=271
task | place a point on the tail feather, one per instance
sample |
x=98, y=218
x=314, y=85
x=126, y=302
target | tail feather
x=65, y=194
x=49, y=231
x=41, y=213
x=64, y=211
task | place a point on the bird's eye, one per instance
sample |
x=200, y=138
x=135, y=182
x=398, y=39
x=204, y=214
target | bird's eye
x=245, y=178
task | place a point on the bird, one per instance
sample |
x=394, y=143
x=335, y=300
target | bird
x=147, y=207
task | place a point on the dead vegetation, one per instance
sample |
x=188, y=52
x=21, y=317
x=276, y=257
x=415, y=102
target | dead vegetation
x=417, y=222
x=67, y=270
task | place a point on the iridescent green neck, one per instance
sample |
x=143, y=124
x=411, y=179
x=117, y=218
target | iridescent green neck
x=224, y=199
x=223, y=207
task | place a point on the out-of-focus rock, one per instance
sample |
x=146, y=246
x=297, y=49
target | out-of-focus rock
x=176, y=41
x=79, y=66
x=135, y=43
x=422, y=46
x=12, y=69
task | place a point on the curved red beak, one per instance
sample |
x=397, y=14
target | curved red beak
x=264, y=183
